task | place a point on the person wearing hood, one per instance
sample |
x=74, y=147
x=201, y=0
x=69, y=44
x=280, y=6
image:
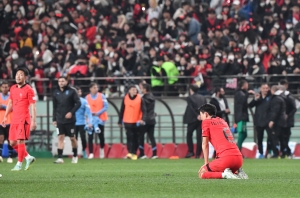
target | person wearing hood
x=219, y=100
x=291, y=109
x=277, y=118
x=194, y=101
x=150, y=122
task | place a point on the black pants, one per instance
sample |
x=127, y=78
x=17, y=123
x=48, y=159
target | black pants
x=260, y=137
x=150, y=130
x=132, y=134
x=284, y=141
x=80, y=129
x=275, y=135
x=101, y=138
x=189, y=137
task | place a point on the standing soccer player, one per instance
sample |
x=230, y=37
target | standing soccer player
x=65, y=104
x=228, y=157
x=83, y=118
x=21, y=98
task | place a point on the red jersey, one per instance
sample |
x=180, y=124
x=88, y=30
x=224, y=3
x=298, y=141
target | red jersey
x=220, y=136
x=21, y=99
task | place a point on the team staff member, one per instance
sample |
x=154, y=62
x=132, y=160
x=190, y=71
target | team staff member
x=99, y=105
x=149, y=127
x=133, y=115
x=194, y=101
x=4, y=98
x=83, y=117
x=21, y=98
x=277, y=118
x=65, y=104
x=261, y=102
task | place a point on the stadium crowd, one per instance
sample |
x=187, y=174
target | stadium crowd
x=203, y=40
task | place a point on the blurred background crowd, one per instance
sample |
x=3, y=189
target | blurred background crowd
x=199, y=41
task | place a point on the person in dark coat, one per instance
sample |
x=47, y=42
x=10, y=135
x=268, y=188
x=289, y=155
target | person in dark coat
x=150, y=122
x=241, y=111
x=291, y=109
x=277, y=118
x=219, y=100
x=194, y=101
x=261, y=102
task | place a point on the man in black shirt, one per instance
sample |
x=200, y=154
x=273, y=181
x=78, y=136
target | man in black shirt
x=65, y=104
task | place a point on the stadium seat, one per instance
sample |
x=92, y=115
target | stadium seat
x=115, y=151
x=182, y=150
x=106, y=150
x=96, y=150
x=168, y=151
x=159, y=148
x=124, y=151
x=297, y=151
x=249, y=150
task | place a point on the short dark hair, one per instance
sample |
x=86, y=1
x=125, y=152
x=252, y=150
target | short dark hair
x=4, y=82
x=217, y=89
x=147, y=87
x=131, y=86
x=194, y=88
x=24, y=70
x=284, y=82
x=64, y=77
x=92, y=84
x=241, y=83
x=208, y=108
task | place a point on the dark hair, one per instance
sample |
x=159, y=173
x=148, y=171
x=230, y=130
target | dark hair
x=283, y=82
x=208, y=108
x=194, y=88
x=4, y=82
x=241, y=83
x=77, y=88
x=217, y=89
x=264, y=84
x=64, y=77
x=146, y=86
x=92, y=84
x=131, y=86
x=23, y=69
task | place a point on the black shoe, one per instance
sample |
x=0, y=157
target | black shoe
x=197, y=157
x=189, y=155
x=275, y=157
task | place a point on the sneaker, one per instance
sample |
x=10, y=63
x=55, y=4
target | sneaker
x=102, y=153
x=1, y=159
x=10, y=160
x=241, y=174
x=189, y=155
x=17, y=168
x=154, y=157
x=84, y=155
x=128, y=156
x=143, y=157
x=134, y=157
x=261, y=156
x=227, y=174
x=59, y=161
x=275, y=157
x=74, y=160
x=91, y=156
x=29, y=161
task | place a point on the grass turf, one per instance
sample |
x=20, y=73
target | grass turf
x=147, y=178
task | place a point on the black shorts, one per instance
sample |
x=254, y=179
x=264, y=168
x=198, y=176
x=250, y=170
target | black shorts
x=4, y=131
x=66, y=129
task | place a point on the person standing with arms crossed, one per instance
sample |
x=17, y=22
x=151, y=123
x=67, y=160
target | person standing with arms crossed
x=65, y=104
x=4, y=98
x=149, y=127
x=21, y=98
x=133, y=115
x=99, y=105
x=83, y=116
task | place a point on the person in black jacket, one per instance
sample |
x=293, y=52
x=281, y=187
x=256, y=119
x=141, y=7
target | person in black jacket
x=261, y=102
x=241, y=111
x=291, y=109
x=194, y=101
x=219, y=100
x=149, y=127
x=65, y=104
x=277, y=118
x=133, y=115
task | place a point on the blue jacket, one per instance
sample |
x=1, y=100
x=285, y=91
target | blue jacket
x=194, y=30
x=83, y=112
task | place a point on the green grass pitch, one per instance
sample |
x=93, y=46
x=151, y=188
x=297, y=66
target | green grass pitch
x=147, y=178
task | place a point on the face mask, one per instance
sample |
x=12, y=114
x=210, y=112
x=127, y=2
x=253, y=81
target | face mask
x=260, y=29
x=276, y=26
x=218, y=54
x=177, y=59
x=52, y=69
x=239, y=60
x=161, y=46
x=231, y=57
x=153, y=24
x=290, y=60
x=106, y=51
x=264, y=48
x=251, y=56
x=177, y=46
x=283, y=63
x=14, y=55
x=262, y=4
x=114, y=64
x=193, y=62
x=257, y=59
x=154, y=62
x=289, y=26
x=40, y=4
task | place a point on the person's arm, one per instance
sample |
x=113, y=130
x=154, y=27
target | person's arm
x=32, y=102
x=88, y=113
x=77, y=104
x=205, y=149
x=54, y=106
x=143, y=109
x=274, y=111
x=8, y=110
x=105, y=105
x=292, y=102
x=121, y=112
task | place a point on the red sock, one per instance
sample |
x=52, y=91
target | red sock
x=212, y=175
x=16, y=149
x=21, y=152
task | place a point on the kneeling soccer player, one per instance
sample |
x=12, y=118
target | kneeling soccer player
x=229, y=159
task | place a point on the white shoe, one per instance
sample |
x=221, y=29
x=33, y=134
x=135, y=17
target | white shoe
x=74, y=160
x=91, y=156
x=59, y=161
x=241, y=174
x=102, y=153
x=1, y=159
x=227, y=174
x=143, y=157
x=10, y=160
x=154, y=157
